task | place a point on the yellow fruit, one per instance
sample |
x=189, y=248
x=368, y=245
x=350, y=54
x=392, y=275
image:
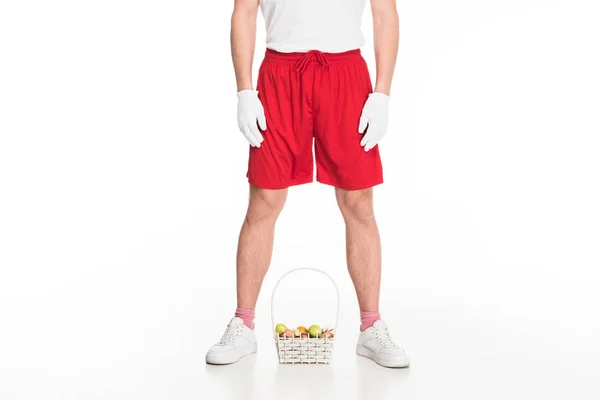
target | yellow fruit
x=302, y=328
x=315, y=331
x=280, y=328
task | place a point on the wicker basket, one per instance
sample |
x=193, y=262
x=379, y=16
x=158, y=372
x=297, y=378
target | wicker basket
x=304, y=351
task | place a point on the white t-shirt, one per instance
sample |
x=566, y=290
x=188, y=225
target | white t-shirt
x=331, y=26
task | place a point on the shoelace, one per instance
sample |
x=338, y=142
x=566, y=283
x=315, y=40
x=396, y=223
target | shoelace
x=303, y=62
x=385, y=338
x=230, y=334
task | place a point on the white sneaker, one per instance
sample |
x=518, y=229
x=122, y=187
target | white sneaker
x=375, y=343
x=237, y=341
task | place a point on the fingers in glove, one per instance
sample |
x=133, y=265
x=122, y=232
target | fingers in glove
x=250, y=137
x=362, y=125
x=256, y=133
x=367, y=137
x=372, y=141
x=262, y=121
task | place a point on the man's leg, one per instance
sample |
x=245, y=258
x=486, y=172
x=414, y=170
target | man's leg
x=255, y=245
x=363, y=247
x=363, y=253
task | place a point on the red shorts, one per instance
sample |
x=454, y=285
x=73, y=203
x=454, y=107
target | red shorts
x=316, y=97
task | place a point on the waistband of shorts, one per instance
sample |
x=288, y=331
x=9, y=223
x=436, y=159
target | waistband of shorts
x=275, y=56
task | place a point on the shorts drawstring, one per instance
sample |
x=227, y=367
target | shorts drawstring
x=306, y=58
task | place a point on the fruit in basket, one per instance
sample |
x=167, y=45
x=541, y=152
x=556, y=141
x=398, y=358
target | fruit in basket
x=302, y=329
x=280, y=328
x=327, y=334
x=304, y=335
x=288, y=333
x=297, y=332
x=315, y=331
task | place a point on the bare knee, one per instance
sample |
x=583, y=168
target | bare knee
x=265, y=204
x=356, y=205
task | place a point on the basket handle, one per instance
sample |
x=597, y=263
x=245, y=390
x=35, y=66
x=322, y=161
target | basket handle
x=337, y=292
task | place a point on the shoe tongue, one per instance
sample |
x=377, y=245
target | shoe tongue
x=379, y=324
x=236, y=321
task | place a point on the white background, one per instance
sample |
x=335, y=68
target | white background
x=122, y=190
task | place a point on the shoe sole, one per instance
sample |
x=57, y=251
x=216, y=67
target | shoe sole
x=384, y=362
x=231, y=358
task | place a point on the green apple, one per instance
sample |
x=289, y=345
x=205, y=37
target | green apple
x=315, y=331
x=280, y=328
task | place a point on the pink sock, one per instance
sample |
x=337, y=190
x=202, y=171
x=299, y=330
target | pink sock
x=246, y=315
x=368, y=318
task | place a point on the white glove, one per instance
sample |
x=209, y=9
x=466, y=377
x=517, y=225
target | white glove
x=375, y=114
x=249, y=111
